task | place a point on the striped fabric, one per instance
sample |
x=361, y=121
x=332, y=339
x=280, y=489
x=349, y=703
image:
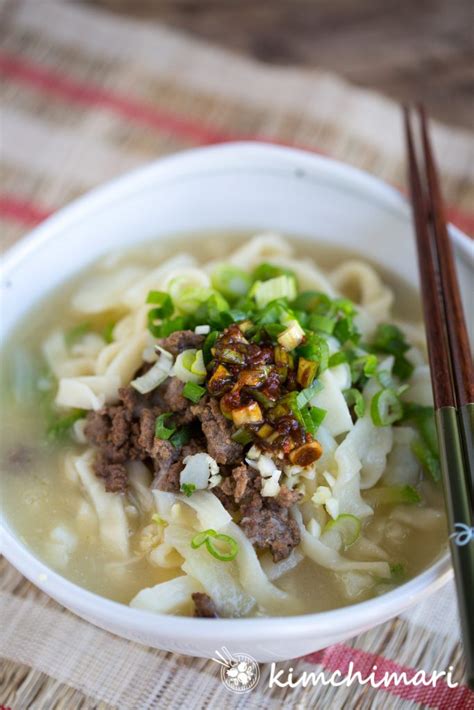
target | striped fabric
x=87, y=96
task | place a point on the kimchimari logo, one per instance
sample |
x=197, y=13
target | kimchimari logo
x=240, y=672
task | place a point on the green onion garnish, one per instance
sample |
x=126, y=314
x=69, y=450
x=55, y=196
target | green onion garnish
x=181, y=437
x=322, y=323
x=313, y=418
x=188, y=489
x=427, y=459
x=313, y=302
x=393, y=495
x=242, y=436
x=354, y=398
x=163, y=301
x=60, y=426
x=108, y=331
x=390, y=340
x=267, y=271
x=315, y=348
x=385, y=408
x=210, y=538
x=161, y=430
x=280, y=287
x=193, y=392
x=306, y=395
x=337, y=359
x=76, y=333
x=231, y=281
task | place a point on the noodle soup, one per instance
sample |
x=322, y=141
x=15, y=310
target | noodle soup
x=243, y=431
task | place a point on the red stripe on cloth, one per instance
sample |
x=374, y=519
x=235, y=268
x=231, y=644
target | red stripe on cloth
x=52, y=82
x=70, y=89
x=22, y=211
x=442, y=696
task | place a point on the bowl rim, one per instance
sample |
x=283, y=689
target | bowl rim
x=84, y=602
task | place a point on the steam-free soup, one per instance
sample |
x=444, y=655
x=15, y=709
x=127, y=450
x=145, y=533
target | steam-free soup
x=224, y=430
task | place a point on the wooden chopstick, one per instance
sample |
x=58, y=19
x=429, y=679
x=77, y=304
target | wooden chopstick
x=451, y=373
x=461, y=360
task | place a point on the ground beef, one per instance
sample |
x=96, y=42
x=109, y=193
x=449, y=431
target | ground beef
x=218, y=431
x=204, y=606
x=169, y=464
x=268, y=525
x=114, y=475
x=181, y=340
x=238, y=485
x=173, y=400
x=122, y=432
x=287, y=497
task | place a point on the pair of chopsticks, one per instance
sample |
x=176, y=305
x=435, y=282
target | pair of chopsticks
x=451, y=369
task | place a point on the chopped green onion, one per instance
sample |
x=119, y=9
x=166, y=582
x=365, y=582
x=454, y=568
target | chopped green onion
x=230, y=281
x=390, y=340
x=337, y=359
x=354, y=398
x=397, y=572
x=167, y=326
x=76, y=333
x=242, y=436
x=189, y=366
x=323, y=323
x=280, y=287
x=423, y=418
x=108, y=332
x=265, y=271
x=341, y=532
x=208, y=345
x=393, y=495
x=306, y=395
x=163, y=302
x=306, y=372
x=181, y=437
x=215, y=312
x=345, y=330
x=363, y=366
x=427, y=459
x=210, y=538
x=385, y=378
x=345, y=305
x=385, y=408
x=292, y=336
x=188, y=489
x=60, y=426
x=313, y=418
x=315, y=348
x=274, y=330
x=313, y=302
x=161, y=430
x=193, y=392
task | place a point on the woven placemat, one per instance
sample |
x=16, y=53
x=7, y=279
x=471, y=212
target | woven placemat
x=87, y=96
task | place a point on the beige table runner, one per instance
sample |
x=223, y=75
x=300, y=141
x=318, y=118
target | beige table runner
x=87, y=96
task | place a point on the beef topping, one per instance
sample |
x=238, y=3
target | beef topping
x=218, y=431
x=114, y=475
x=204, y=607
x=181, y=340
x=126, y=431
x=268, y=525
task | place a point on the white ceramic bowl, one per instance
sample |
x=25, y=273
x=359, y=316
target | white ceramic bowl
x=238, y=187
